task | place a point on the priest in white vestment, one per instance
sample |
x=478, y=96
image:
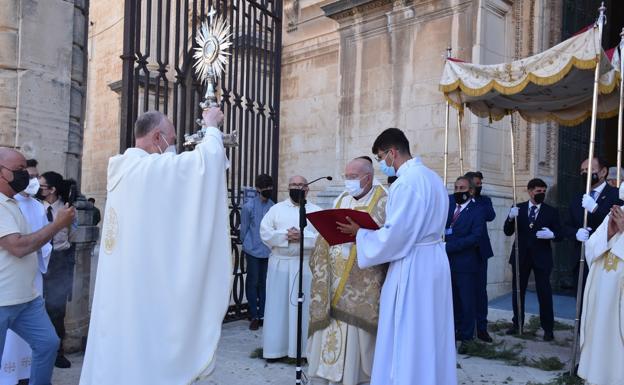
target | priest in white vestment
x=602, y=321
x=17, y=355
x=344, y=308
x=165, y=265
x=415, y=338
x=279, y=230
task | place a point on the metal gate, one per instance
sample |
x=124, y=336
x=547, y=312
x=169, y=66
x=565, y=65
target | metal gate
x=159, y=37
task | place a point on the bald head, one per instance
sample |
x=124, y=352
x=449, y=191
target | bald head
x=361, y=166
x=10, y=160
x=297, y=180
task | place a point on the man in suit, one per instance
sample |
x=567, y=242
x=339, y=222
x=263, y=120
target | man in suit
x=464, y=230
x=484, y=204
x=538, y=226
x=598, y=203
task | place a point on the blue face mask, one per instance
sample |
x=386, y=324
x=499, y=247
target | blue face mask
x=388, y=170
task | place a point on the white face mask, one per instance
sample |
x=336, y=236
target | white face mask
x=353, y=187
x=621, y=191
x=170, y=147
x=33, y=187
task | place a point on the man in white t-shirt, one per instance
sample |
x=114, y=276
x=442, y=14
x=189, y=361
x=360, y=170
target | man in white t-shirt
x=21, y=306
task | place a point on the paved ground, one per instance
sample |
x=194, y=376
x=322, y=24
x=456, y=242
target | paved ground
x=236, y=367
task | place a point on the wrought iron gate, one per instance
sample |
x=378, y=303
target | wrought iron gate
x=159, y=37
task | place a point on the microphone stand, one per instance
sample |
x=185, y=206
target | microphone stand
x=302, y=224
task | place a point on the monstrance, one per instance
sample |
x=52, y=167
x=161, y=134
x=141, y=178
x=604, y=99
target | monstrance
x=211, y=58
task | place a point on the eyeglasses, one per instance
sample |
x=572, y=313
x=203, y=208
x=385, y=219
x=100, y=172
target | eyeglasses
x=297, y=185
x=379, y=159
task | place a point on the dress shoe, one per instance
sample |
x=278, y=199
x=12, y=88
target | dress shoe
x=512, y=331
x=254, y=325
x=549, y=336
x=483, y=335
x=62, y=362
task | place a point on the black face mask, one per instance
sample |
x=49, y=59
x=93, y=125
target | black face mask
x=39, y=195
x=296, y=194
x=20, y=180
x=539, y=198
x=266, y=193
x=594, y=179
x=461, y=197
x=478, y=191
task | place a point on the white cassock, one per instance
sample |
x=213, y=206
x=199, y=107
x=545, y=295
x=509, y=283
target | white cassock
x=282, y=285
x=415, y=336
x=164, y=271
x=602, y=322
x=17, y=356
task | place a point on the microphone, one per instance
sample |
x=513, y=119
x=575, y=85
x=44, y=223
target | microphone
x=317, y=179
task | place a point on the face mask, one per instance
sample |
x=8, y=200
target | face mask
x=266, y=193
x=170, y=147
x=20, y=180
x=461, y=197
x=478, y=191
x=353, y=187
x=621, y=191
x=594, y=178
x=388, y=170
x=33, y=187
x=295, y=195
x=539, y=198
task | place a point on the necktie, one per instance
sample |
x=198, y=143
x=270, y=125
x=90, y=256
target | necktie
x=456, y=215
x=532, y=216
x=593, y=194
x=49, y=214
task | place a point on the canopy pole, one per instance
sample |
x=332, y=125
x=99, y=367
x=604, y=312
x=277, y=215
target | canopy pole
x=619, y=148
x=460, y=115
x=446, y=129
x=592, y=143
x=518, y=303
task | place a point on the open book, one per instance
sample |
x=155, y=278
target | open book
x=325, y=222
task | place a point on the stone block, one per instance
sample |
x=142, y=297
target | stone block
x=8, y=88
x=8, y=53
x=8, y=16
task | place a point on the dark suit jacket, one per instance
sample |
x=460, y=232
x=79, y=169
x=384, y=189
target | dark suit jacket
x=531, y=248
x=462, y=246
x=484, y=203
x=607, y=198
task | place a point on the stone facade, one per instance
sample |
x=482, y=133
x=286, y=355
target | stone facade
x=351, y=69
x=42, y=104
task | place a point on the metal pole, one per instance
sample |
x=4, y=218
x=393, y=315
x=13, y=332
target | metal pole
x=619, y=148
x=592, y=143
x=446, y=130
x=518, y=303
x=302, y=224
x=460, y=115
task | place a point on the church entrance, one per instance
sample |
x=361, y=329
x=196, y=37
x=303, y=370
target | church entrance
x=158, y=74
x=574, y=141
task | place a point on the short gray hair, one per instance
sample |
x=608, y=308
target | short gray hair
x=147, y=122
x=471, y=183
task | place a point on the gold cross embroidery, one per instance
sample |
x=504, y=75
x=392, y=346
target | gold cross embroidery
x=611, y=262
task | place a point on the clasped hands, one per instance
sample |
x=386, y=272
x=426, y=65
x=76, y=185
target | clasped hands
x=293, y=234
x=616, y=221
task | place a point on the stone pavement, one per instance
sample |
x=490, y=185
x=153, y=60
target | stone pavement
x=235, y=366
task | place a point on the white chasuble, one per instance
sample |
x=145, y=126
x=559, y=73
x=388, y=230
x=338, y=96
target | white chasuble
x=17, y=355
x=342, y=352
x=165, y=268
x=602, y=321
x=415, y=337
x=280, y=310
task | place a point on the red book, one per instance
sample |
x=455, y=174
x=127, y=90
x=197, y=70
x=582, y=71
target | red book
x=325, y=222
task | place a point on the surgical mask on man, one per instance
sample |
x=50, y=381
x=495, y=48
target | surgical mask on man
x=539, y=198
x=594, y=178
x=621, y=191
x=353, y=187
x=388, y=170
x=461, y=197
x=33, y=187
x=296, y=194
x=478, y=190
x=170, y=147
x=266, y=193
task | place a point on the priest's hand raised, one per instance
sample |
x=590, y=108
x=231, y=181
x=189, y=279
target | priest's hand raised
x=213, y=117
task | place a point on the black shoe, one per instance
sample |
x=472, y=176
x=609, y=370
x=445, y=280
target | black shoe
x=254, y=325
x=483, y=335
x=261, y=322
x=549, y=336
x=62, y=362
x=512, y=331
